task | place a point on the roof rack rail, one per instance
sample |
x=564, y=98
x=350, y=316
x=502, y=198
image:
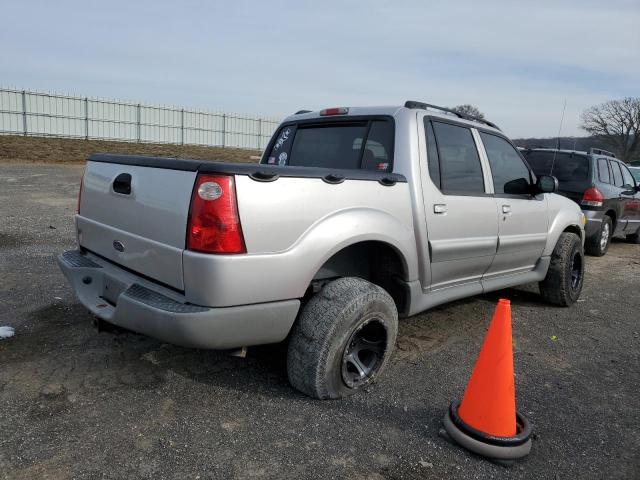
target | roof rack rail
x=599, y=151
x=425, y=106
x=539, y=147
x=300, y=112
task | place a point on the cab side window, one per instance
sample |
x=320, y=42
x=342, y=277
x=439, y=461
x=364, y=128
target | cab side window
x=510, y=174
x=617, y=174
x=459, y=163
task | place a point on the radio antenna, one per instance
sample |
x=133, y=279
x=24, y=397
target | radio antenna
x=553, y=162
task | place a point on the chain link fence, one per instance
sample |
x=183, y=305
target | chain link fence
x=24, y=112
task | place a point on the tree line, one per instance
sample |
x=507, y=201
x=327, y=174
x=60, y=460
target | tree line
x=612, y=125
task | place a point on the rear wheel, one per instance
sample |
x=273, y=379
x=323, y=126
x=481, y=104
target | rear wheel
x=343, y=339
x=599, y=243
x=565, y=277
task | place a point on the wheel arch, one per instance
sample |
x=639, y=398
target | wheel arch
x=614, y=218
x=564, y=222
x=376, y=261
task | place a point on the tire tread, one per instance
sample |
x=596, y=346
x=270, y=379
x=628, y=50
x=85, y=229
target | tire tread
x=310, y=342
x=555, y=286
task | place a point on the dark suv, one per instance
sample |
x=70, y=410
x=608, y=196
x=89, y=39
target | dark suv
x=603, y=187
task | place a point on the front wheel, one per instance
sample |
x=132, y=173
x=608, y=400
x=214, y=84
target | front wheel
x=565, y=277
x=343, y=339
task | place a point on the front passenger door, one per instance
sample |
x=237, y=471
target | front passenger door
x=522, y=217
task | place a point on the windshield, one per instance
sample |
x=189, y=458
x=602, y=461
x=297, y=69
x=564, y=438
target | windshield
x=566, y=167
x=635, y=171
x=345, y=144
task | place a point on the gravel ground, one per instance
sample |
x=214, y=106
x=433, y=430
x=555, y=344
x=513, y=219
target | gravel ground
x=75, y=403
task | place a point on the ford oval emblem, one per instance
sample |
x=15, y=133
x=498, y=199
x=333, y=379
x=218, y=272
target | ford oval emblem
x=118, y=245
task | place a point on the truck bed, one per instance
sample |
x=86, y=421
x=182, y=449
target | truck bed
x=281, y=209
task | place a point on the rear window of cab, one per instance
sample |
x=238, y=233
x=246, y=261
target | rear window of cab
x=362, y=144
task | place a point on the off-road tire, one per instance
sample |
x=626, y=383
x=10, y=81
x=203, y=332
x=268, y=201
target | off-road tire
x=326, y=324
x=593, y=245
x=557, y=287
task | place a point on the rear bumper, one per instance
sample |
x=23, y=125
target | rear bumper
x=127, y=300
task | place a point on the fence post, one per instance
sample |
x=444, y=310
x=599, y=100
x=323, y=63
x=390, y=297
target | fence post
x=224, y=129
x=86, y=118
x=182, y=126
x=259, y=133
x=138, y=122
x=24, y=113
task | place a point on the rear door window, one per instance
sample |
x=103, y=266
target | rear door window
x=460, y=168
x=432, y=154
x=509, y=172
x=617, y=174
x=627, y=178
x=366, y=144
x=603, y=171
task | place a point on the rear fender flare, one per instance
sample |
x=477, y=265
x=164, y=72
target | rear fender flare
x=351, y=226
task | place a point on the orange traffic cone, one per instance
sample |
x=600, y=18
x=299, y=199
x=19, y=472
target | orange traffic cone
x=486, y=421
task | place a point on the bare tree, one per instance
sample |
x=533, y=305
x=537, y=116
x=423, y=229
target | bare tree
x=469, y=110
x=616, y=123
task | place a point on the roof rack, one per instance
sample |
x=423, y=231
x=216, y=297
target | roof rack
x=425, y=106
x=599, y=151
x=300, y=112
x=539, y=147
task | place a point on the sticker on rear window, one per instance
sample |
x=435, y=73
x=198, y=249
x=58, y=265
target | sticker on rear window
x=283, y=138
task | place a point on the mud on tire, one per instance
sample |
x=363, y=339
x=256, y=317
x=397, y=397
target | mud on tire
x=565, y=277
x=343, y=339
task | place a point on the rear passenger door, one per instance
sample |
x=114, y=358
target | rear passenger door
x=460, y=211
x=630, y=200
x=522, y=217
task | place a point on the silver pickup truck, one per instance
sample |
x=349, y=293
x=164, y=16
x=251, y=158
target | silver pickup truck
x=353, y=217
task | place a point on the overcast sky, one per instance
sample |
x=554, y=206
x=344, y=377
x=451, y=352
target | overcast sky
x=517, y=61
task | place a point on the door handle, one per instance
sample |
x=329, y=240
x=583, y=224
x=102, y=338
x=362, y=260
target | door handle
x=506, y=209
x=440, y=208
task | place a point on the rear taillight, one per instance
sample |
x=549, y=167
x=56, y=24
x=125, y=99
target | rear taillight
x=80, y=193
x=214, y=223
x=592, y=197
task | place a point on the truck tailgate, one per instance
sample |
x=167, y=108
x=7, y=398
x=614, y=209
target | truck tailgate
x=136, y=216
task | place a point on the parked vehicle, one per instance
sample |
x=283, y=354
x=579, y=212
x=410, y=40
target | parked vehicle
x=602, y=185
x=354, y=217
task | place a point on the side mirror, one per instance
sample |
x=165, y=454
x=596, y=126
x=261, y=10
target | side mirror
x=519, y=186
x=546, y=184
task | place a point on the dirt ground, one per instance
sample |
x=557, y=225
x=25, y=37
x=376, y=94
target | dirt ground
x=17, y=148
x=75, y=403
